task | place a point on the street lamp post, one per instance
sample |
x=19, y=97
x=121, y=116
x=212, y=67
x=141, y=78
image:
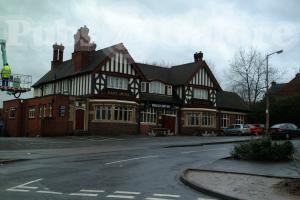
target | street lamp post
x=267, y=92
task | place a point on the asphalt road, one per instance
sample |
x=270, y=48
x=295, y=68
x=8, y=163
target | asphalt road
x=103, y=168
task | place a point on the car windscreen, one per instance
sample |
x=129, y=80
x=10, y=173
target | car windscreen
x=277, y=126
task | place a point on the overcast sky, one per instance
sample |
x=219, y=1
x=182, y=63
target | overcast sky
x=153, y=31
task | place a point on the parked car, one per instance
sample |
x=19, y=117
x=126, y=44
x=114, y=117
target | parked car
x=237, y=129
x=257, y=129
x=284, y=130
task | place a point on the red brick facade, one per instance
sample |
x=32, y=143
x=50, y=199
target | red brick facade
x=37, y=116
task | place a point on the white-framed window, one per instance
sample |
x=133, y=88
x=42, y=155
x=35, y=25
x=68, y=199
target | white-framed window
x=208, y=119
x=224, y=120
x=31, y=113
x=44, y=110
x=12, y=112
x=239, y=119
x=193, y=119
x=103, y=112
x=201, y=119
x=50, y=110
x=119, y=83
x=169, y=90
x=157, y=87
x=122, y=113
x=143, y=87
x=41, y=111
x=200, y=93
x=149, y=116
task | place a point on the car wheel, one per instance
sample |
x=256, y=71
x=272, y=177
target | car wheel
x=287, y=136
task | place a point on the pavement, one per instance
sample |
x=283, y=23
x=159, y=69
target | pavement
x=238, y=179
x=131, y=167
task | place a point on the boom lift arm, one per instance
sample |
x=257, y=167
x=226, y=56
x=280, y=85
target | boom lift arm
x=3, y=50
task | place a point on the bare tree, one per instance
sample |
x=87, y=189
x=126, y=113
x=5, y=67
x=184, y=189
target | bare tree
x=247, y=75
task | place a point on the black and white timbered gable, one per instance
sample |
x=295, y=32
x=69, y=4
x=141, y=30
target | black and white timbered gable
x=202, y=86
x=118, y=74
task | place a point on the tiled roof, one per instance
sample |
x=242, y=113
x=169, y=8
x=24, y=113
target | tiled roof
x=231, y=101
x=275, y=88
x=67, y=68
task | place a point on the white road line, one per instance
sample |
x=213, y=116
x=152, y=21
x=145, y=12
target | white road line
x=16, y=190
x=120, y=196
x=23, y=187
x=83, y=194
x=48, y=192
x=187, y=152
x=126, y=192
x=167, y=195
x=29, y=183
x=154, y=198
x=27, y=187
x=204, y=199
x=93, y=191
x=130, y=159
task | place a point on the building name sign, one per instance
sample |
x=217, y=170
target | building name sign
x=154, y=105
x=116, y=92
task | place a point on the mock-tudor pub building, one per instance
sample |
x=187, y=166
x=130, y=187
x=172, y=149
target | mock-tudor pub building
x=106, y=92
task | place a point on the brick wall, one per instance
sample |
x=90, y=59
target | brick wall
x=13, y=126
x=109, y=128
x=48, y=125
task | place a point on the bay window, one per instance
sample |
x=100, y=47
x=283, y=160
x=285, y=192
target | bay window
x=119, y=83
x=122, y=113
x=201, y=119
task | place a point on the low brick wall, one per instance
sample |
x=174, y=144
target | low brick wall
x=109, y=128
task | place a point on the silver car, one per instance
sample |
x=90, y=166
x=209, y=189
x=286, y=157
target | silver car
x=237, y=129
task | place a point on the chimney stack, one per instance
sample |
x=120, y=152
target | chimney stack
x=273, y=83
x=198, y=57
x=58, y=55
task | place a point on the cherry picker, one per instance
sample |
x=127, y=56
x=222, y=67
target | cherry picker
x=16, y=83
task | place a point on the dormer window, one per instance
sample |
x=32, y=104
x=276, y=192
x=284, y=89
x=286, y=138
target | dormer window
x=200, y=94
x=117, y=83
x=157, y=87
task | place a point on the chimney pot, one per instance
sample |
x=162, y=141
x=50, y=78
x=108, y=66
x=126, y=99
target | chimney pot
x=58, y=54
x=198, y=57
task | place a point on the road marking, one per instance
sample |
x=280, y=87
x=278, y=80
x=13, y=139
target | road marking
x=37, y=180
x=187, y=152
x=23, y=187
x=130, y=159
x=28, y=187
x=200, y=198
x=16, y=190
x=120, y=196
x=167, y=195
x=83, y=194
x=154, y=198
x=48, y=192
x=126, y=192
x=93, y=191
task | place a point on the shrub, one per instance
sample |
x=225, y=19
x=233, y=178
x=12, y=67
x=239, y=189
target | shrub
x=263, y=150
